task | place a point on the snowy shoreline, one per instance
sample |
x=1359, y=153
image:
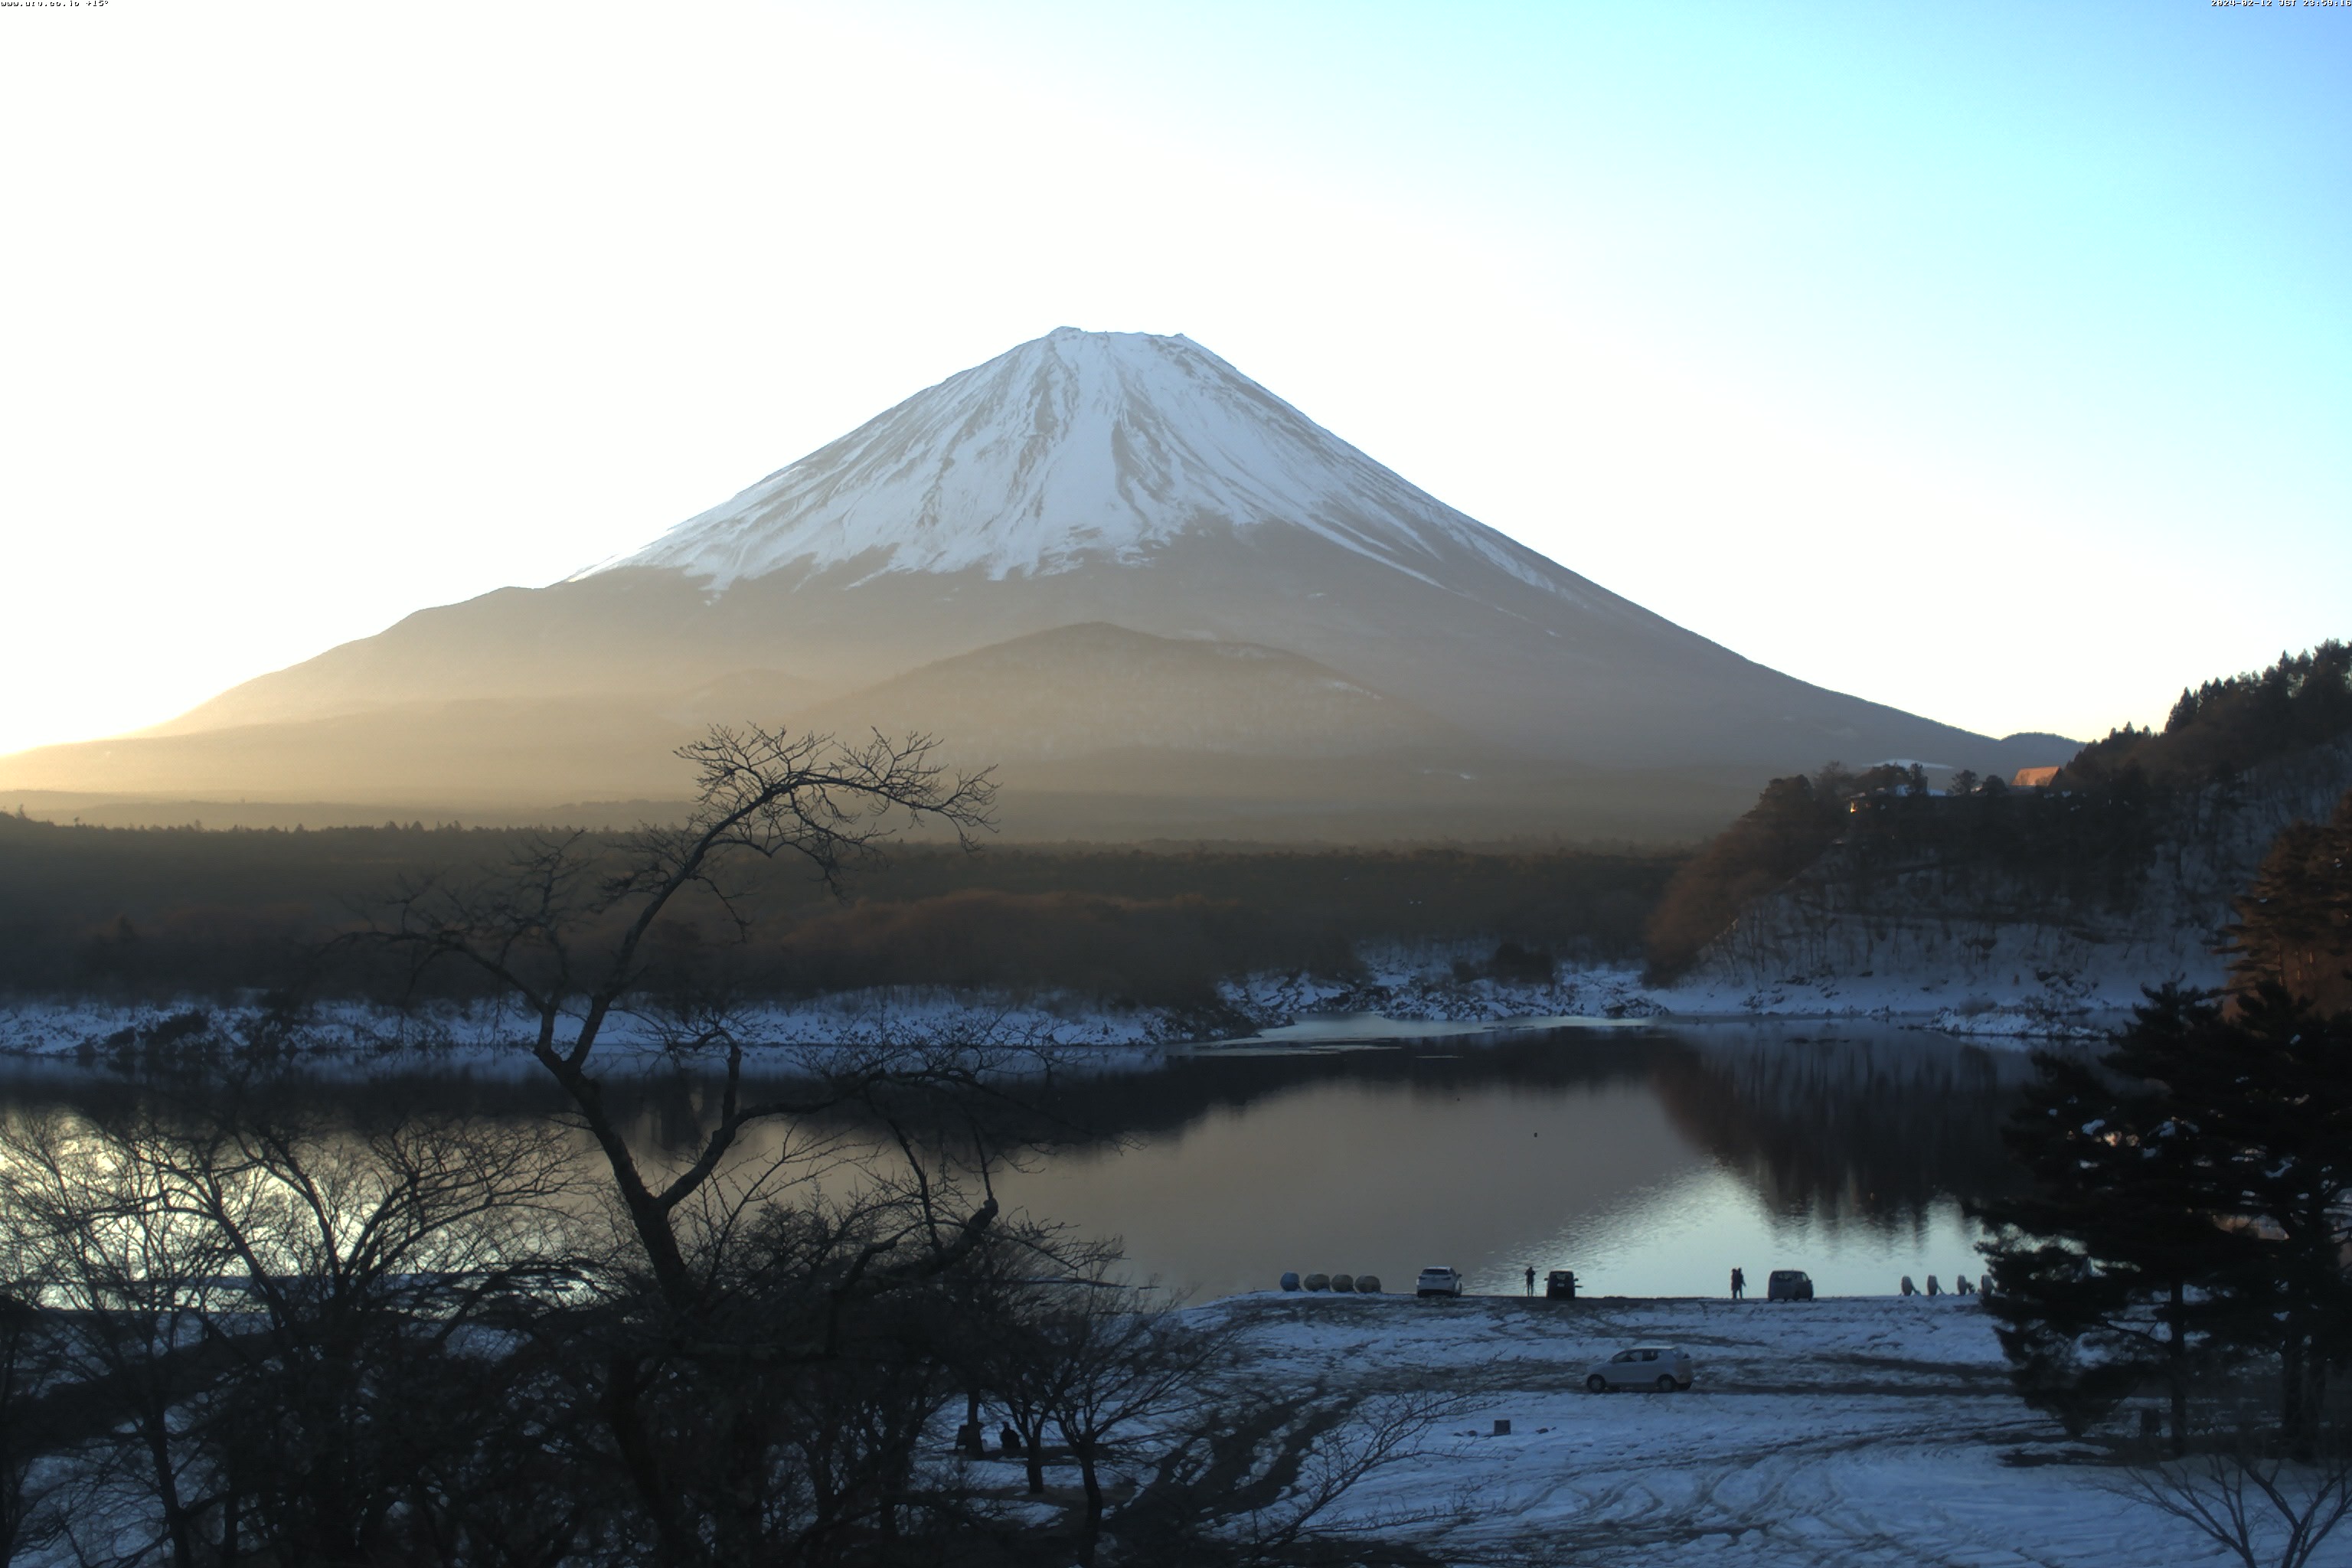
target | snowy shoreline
x=1394, y=1002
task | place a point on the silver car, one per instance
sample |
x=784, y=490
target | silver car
x=1661, y=1367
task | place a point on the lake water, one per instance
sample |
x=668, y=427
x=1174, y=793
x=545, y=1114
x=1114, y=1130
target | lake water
x=1649, y=1161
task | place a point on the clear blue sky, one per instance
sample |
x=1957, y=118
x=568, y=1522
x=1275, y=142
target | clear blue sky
x=1991, y=361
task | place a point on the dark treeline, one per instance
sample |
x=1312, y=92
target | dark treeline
x=2087, y=840
x=2225, y=727
x=160, y=913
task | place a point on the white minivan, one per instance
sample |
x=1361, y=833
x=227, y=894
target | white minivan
x=1438, y=1282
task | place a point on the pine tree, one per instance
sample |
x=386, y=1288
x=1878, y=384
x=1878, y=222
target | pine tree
x=2098, y=1278
x=2193, y=1202
x=2264, y=1098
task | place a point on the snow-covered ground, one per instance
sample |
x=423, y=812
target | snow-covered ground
x=1859, y=1430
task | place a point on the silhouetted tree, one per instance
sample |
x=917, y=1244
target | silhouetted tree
x=257, y=1325
x=2256, y=1503
x=27, y=1369
x=564, y=933
x=1122, y=1359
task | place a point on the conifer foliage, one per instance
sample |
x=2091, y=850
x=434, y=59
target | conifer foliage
x=2224, y=727
x=2192, y=1209
x=2295, y=924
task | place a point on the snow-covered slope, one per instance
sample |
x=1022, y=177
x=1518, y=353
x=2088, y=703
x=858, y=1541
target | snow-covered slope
x=1076, y=446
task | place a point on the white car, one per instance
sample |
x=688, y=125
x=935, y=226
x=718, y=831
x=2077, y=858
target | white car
x=1438, y=1282
x=1661, y=1367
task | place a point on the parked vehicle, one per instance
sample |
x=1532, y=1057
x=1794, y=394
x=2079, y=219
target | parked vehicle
x=1438, y=1281
x=1560, y=1285
x=1664, y=1368
x=1788, y=1285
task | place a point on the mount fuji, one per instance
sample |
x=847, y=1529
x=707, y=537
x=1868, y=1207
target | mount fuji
x=1108, y=562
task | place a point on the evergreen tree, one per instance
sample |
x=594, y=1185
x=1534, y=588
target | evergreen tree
x=2193, y=1202
x=2098, y=1277
x=2264, y=1096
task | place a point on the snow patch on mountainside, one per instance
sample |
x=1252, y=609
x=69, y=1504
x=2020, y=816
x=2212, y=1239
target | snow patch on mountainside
x=1076, y=446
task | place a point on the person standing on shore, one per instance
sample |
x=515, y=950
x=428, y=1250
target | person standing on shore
x=1738, y=1285
x=1531, y=1279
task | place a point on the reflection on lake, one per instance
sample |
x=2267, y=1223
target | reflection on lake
x=1651, y=1162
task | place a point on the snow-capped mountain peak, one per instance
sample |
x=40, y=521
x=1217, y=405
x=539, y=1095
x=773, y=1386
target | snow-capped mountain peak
x=1076, y=446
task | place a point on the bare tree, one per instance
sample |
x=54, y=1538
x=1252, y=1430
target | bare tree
x=28, y=1357
x=1014, y=1357
x=1260, y=1477
x=269, y=1314
x=2249, y=1498
x=1123, y=1361
x=1370, y=1433
x=127, y=1280
x=366, y=1254
x=764, y=1388
x=567, y=934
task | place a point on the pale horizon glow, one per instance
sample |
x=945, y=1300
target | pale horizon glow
x=1994, y=365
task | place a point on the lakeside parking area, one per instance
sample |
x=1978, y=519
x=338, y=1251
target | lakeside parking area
x=1846, y=1430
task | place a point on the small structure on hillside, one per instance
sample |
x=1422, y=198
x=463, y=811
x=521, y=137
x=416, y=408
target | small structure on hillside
x=2034, y=778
